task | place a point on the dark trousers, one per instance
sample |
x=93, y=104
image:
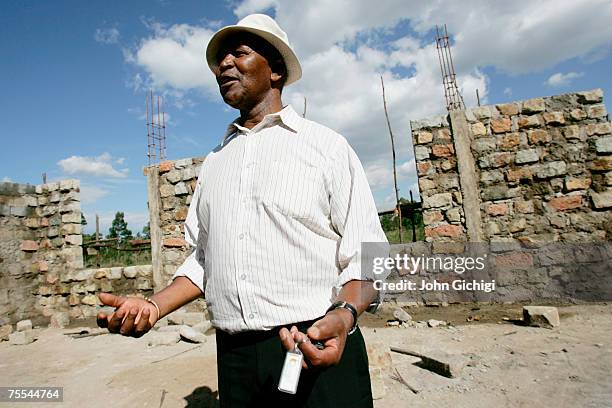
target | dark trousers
x=249, y=366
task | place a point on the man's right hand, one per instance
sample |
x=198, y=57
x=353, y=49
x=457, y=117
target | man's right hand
x=132, y=316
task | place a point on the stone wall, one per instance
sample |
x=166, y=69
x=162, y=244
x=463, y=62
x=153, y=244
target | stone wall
x=170, y=188
x=41, y=257
x=40, y=239
x=542, y=172
x=543, y=165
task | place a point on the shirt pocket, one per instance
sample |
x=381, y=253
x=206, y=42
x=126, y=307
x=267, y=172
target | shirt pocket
x=291, y=188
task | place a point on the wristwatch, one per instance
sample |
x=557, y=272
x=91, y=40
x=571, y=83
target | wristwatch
x=341, y=304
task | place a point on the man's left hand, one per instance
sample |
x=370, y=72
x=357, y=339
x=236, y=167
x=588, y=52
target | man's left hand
x=330, y=330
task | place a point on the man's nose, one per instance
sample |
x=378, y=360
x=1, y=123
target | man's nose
x=226, y=62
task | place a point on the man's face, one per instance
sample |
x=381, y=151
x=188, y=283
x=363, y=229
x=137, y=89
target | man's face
x=244, y=75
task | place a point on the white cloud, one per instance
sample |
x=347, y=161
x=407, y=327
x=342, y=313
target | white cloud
x=97, y=166
x=174, y=58
x=561, y=80
x=7, y=179
x=508, y=91
x=90, y=193
x=107, y=35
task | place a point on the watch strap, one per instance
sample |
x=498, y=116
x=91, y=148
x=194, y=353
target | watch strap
x=341, y=304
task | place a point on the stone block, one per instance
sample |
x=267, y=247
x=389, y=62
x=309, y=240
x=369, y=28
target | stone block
x=426, y=184
x=59, y=320
x=74, y=239
x=571, y=132
x=72, y=206
x=508, y=109
x=492, y=176
x=182, y=163
x=576, y=183
x=71, y=229
x=482, y=112
x=188, y=173
x=501, y=125
x=601, y=164
x=143, y=284
x=425, y=169
x=50, y=187
x=538, y=136
x=517, y=225
x=509, y=142
x=431, y=217
x=478, y=129
x=589, y=97
x=19, y=211
x=553, y=118
x=130, y=272
x=180, y=189
x=115, y=273
x=565, y=203
x=166, y=190
x=533, y=105
x=43, y=266
x=443, y=150
x=484, y=144
x=421, y=153
x=495, y=160
x=453, y=215
x=174, y=242
x=577, y=114
x=71, y=218
x=67, y=185
x=597, y=111
x=524, y=207
x=527, y=122
x=527, y=156
x=435, y=121
x=495, y=210
x=5, y=331
x=181, y=214
x=444, y=230
x=514, y=260
x=23, y=325
x=29, y=246
x=521, y=173
x=21, y=338
x=174, y=176
x=551, y=169
x=91, y=300
x=165, y=166
x=602, y=200
x=541, y=316
x=423, y=137
x=192, y=335
x=598, y=129
x=499, y=192
x=603, y=144
x=434, y=201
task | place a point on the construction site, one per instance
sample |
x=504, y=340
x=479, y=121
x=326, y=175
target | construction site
x=525, y=186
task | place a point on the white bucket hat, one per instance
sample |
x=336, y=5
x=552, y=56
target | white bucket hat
x=265, y=27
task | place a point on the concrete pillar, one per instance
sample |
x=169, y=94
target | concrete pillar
x=462, y=138
x=152, y=173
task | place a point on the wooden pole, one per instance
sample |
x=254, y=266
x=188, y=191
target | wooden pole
x=397, y=200
x=304, y=113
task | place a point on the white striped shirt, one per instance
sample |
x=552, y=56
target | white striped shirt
x=277, y=218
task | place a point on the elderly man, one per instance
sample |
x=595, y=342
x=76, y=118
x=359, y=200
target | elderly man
x=278, y=218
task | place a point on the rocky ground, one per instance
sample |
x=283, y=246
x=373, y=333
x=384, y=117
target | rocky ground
x=497, y=362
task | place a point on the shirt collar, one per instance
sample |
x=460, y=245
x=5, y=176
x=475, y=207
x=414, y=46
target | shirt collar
x=287, y=117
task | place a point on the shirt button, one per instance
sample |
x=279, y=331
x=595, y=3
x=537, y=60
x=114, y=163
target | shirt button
x=251, y=316
x=243, y=276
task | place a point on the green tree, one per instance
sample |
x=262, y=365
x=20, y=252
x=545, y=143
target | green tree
x=146, y=231
x=119, y=228
x=83, y=220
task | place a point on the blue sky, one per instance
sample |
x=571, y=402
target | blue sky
x=75, y=75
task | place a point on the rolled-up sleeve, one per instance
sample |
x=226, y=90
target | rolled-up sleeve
x=355, y=217
x=193, y=266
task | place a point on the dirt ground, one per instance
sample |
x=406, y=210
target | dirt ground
x=508, y=365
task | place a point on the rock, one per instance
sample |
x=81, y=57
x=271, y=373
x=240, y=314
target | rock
x=21, y=338
x=604, y=144
x=180, y=189
x=5, y=331
x=423, y=137
x=541, y=316
x=435, y=323
x=377, y=381
x=130, y=272
x=203, y=327
x=401, y=315
x=593, y=96
x=478, y=129
x=438, y=200
x=192, y=335
x=59, y=320
x=163, y=338
x=393, y=323
x=24, y=325
x=602, y=200
x=421, y=153
x=551, y=169
x=501, y=125
x=527, y=156
x=29, y=246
